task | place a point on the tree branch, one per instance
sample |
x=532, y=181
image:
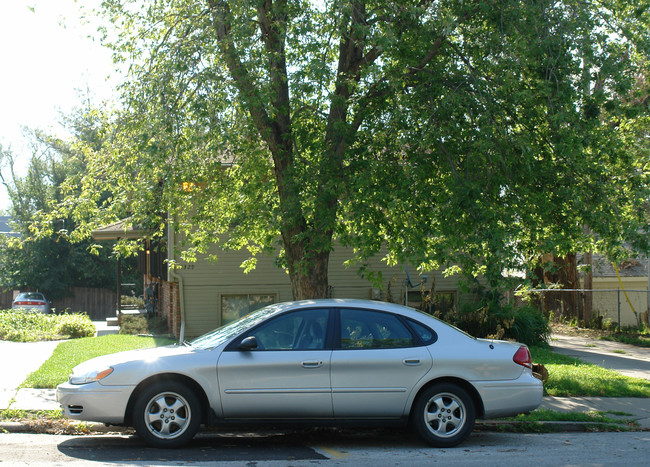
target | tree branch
x=221, y=18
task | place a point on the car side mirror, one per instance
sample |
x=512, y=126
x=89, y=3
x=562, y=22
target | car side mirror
x=249, y=343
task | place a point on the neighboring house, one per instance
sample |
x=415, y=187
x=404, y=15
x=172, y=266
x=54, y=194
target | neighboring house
x=200, y=296
x=609, y=291
x=6, y=228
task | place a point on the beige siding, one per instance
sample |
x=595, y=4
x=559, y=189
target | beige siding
x=206, y=281
x=346, y=282
x=606, y=302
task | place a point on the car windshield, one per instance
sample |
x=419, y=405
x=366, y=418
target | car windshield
x=224, y=333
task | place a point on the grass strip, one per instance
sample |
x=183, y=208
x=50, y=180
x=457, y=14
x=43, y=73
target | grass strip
x=569, y=377
x=69, y=354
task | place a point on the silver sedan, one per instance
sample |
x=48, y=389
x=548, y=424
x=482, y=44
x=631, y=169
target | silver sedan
x=317, y=362
x=31, y=301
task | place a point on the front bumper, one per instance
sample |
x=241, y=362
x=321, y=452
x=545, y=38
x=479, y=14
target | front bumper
x=94, y=402
x=510, y=397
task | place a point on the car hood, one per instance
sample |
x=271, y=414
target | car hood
x=144, y=356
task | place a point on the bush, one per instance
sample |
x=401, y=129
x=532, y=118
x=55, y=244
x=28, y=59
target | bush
x=495, y=321
x=75, y=326
x=132, y=302
x=24, y=326
x=140, y=324
x=21, y=326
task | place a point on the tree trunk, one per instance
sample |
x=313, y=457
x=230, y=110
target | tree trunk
x=309, y=277
x=564, y=272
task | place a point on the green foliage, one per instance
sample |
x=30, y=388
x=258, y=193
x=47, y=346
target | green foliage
x=570, y=377
x=139, y=324
x=476, y=134
x=639, y=341
x=69, y=354
x=20, y=326
x=540, y=421
x=45, y=258
x=132, y=302
x=490, y=319
x=75, y=326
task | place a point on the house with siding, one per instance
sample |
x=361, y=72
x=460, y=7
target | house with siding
x=196, y=297
x=620, y=291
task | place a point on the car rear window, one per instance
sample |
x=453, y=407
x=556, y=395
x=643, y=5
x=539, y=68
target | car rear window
x=30, y=296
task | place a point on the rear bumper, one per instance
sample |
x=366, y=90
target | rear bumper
x=511, y=397
x=36, y=309
x=93, y=402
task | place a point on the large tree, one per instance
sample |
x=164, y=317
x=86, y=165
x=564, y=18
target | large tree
x=469, y=134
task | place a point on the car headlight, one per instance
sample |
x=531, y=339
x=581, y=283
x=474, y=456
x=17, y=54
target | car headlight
x=90, y=376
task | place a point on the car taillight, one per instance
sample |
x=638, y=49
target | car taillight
x=31, y=302
x=522, y=357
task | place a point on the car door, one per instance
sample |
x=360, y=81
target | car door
x=375, y=365
x=286, y=376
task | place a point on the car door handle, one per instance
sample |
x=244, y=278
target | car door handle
x=411, y=361
x=312, y=364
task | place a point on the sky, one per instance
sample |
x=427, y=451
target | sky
x=46, y=57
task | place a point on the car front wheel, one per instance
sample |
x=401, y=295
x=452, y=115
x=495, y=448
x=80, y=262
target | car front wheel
x=167, y=414
x=443, y=415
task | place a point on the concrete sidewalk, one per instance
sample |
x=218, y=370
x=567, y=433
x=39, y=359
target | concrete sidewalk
x=18, y=360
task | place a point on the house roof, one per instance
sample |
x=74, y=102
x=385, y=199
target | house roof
x=6, y=228
x=118, y=230
x=633, y=267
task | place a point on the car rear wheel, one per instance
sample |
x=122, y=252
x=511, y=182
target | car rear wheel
x=443, y=415
x=167, y=415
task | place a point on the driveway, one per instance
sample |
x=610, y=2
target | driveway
x=626, y=359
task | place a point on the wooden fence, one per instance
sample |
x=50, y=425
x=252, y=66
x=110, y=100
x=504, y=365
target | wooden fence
x=99, y=304
x=6, y=298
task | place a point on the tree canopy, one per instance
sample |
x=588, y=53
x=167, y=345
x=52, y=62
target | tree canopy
x=469, y=135
x=49, y=262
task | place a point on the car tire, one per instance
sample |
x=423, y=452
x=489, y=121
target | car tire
x=443, y=415
x=167, y=414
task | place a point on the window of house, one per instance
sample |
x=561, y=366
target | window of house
x=237, y=306
x=440, y=301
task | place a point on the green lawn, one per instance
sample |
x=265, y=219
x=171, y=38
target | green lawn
x=69, y=354
x=571, y=377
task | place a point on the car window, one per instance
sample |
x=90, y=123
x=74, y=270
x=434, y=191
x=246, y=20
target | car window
x=219, y=336
x=299, y=330
x=426, y=335
x=365, y=329
x=30, y=296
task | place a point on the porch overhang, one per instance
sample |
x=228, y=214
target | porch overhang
x=117, y=231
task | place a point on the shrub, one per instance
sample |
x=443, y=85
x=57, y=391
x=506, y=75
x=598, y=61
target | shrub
x=21, y=326
x=495, y=321
x=140, y=324
x=25, y=326
x=132, y=302
x=75, y=325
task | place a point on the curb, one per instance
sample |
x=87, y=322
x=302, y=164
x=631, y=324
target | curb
x=61, y=426
x=81, y=428
x=552, y=426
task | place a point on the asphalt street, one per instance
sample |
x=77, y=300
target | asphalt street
x=387, y=449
